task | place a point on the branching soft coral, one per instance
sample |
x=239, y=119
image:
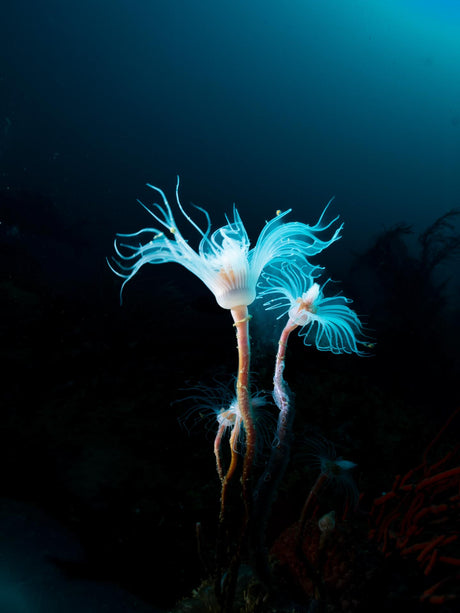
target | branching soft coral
x=440, y=241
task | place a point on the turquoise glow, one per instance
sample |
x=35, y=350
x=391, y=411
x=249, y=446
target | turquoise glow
x=446, y=8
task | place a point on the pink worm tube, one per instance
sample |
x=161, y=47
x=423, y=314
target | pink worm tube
x=241, y=322
x=279, y=387
x=241, y=318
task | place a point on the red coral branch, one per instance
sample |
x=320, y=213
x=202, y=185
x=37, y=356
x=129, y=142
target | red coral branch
x=418, y=519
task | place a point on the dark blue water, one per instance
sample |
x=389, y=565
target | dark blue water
x=269, y=105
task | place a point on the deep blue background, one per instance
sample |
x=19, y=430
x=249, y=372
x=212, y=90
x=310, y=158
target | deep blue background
x=268, y=104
